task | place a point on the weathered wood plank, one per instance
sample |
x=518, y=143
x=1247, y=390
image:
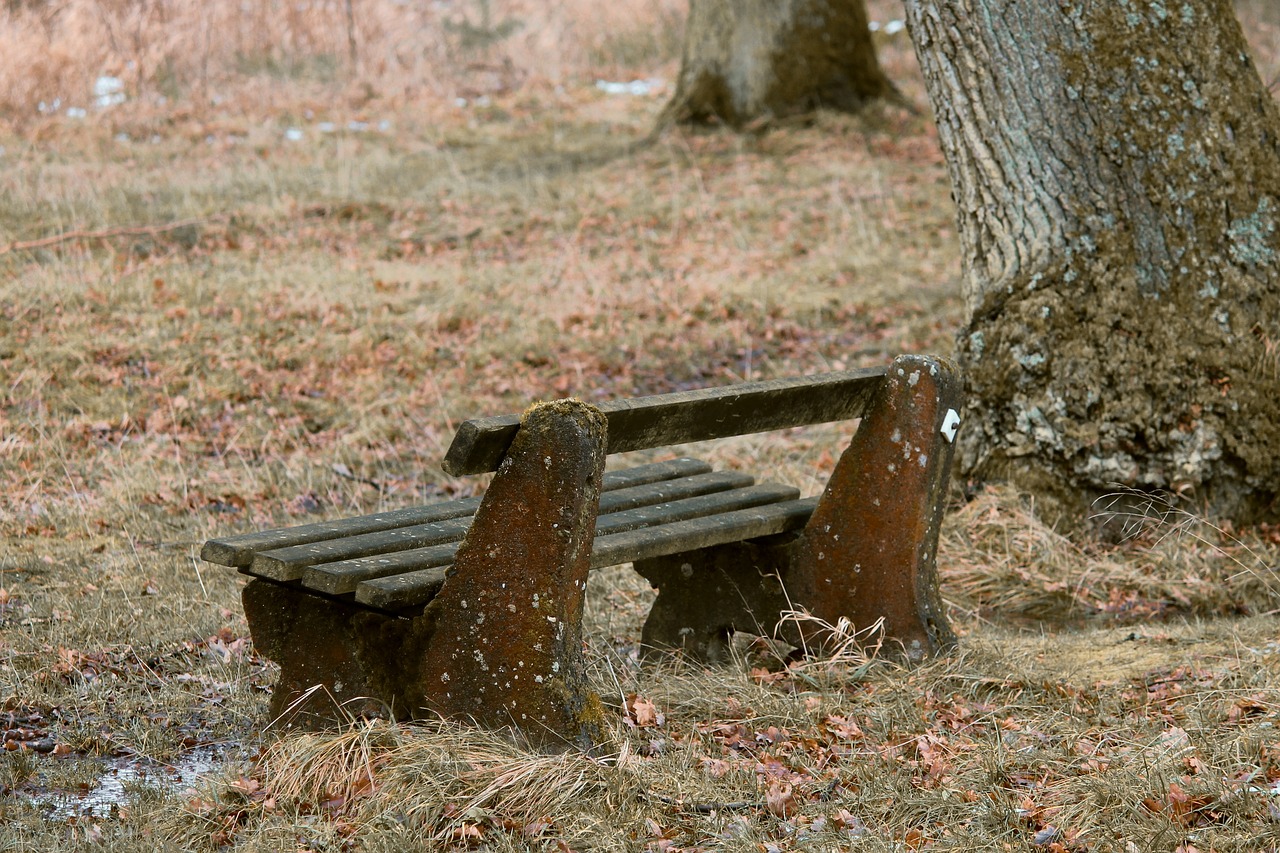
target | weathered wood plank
x=695, y=507
x=673, y=490
x=686, y=416
x=238, y=551
x=402, y=591
x=647, y=542
x=415, y=588
x=654, y=472
x=289, y=564
x=343, y=577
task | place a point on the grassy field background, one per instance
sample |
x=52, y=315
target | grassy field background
x=266, y=288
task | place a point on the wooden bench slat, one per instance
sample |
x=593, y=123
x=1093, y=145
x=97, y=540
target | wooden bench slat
x=653, y=472
x=684, y=416
x=673, y=490
x=238, y=551
x=342, y=576
x=288, y=564
x=345, y=576
x=415, y=588
x=403, y=591
x=751, y=523
x=695, y=507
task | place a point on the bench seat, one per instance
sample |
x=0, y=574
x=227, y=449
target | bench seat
x=397, y=561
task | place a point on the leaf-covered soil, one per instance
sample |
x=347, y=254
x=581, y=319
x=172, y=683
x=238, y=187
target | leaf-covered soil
x=207, y=326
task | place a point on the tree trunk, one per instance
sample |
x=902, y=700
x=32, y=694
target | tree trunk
x=751, y=59
x=1117, y=177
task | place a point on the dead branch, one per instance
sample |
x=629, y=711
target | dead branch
x=103, y=234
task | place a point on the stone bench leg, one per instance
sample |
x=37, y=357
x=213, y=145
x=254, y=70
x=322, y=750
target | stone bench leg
x=501, y=644
x=705, y=596
x=337, y=660
x=869, y=550
x=507, y=645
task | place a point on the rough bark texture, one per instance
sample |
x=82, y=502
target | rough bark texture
x=1117, y=177
x=747, y=59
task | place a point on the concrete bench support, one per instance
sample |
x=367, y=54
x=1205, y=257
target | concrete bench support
x=868, y=552
x=501, y=642
x=870, y=548
x=508, y=621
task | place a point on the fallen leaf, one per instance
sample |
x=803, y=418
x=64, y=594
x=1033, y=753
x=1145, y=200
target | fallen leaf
x=914, y=839
x=467, y=832
x=535, y=828
x=716, y=767
x=642, y=713
x=843, y=728
x=780, y=799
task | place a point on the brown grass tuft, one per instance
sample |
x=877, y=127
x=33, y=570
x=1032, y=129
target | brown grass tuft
x=999, y=557
x=263, y=56
x=448, y=781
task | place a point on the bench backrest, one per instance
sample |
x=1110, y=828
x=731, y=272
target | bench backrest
x=685, y=416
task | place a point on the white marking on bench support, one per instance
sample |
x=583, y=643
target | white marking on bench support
x=950, y=423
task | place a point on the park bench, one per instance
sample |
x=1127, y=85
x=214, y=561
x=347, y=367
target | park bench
x=472, y=608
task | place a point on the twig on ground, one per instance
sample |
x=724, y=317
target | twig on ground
x=705, y=808
x=102, y=234
x=345, y=472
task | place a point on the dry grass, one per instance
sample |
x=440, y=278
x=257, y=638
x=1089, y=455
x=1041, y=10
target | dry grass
x=1018, y=738
x=445, y=778
x=206, y=327
x=204, y=55
x=1004, y=560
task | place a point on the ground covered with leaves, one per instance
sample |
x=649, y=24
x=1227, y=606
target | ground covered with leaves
x=219, y=314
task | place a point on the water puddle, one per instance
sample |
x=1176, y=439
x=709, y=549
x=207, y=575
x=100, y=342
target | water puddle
x=121, y=776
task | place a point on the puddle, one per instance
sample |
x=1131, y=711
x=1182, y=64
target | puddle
x=121, y=775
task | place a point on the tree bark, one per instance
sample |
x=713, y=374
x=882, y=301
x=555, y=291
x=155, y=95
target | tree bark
x=1117, y=176
x=750, y=59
